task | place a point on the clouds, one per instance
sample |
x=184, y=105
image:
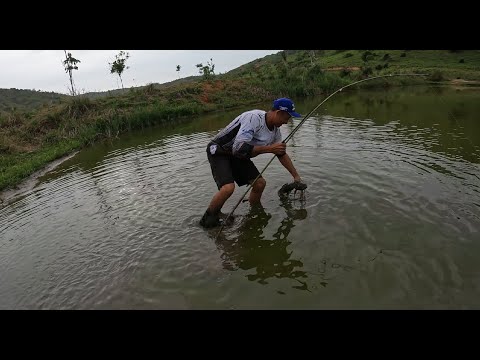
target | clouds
x=43, y=69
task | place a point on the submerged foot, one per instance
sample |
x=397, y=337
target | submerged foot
x=210, y=220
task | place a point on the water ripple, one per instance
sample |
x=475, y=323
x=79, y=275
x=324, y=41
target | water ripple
x=392, y=219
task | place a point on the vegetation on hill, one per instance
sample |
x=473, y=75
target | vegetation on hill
x=15, y=99
x=31, y=136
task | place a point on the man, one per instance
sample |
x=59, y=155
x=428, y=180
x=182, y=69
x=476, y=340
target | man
x=250, y=134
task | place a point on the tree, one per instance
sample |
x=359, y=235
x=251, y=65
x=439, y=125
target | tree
x=118, y=66
x=178, y=70
x=208, y=71
x=70, y=64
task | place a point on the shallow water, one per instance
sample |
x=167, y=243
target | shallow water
x=391, y=217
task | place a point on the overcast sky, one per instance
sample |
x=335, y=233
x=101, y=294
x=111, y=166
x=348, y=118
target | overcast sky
x=43, y=69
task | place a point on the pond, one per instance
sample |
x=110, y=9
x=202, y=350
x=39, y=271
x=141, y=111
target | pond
x=391, y=217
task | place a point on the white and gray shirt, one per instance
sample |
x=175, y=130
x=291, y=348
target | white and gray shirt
x=244, y=132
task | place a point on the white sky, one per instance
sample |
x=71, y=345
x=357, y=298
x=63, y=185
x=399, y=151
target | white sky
x=43, y=69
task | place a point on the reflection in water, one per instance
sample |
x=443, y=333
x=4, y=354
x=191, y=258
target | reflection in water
x=435, y=119
x=268, y=258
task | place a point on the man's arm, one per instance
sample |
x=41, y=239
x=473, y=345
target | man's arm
x=277, y=149
x=241, y=147
x=287, y=163
x=243, y=150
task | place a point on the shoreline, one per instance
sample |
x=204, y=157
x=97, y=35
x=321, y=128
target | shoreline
x=20, y=184
x=30, y=182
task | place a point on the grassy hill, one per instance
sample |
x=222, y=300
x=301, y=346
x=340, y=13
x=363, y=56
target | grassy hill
x=26, y=100
x=30, y=139
x=452, y=64
x=117, y=92
x=16, y=99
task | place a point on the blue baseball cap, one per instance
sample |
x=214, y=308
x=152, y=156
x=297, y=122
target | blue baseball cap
x=287, y=105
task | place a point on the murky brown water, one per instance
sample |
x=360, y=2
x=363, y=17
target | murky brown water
x=391, y=219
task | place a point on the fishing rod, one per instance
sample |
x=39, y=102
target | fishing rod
x=295, y=130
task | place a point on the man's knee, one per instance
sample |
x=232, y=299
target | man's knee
x=259, y=185
x=228, y=189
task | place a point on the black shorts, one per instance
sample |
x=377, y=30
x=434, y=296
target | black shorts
x=227, y=168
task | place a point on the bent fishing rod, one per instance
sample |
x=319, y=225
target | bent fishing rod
x=295, y=130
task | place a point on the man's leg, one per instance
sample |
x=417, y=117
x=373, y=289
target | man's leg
x=257, y=190
x=222, y=173
x=244, y=172
x=220, y=197
x=211, y=216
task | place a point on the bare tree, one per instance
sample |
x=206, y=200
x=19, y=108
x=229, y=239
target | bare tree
x=178, y=70
x=70, y=64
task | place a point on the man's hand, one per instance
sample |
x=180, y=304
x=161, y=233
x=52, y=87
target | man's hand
x=278, y=148
x=299, y=184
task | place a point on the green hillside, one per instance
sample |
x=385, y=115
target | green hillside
x=30, y=139
x=15, y=99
